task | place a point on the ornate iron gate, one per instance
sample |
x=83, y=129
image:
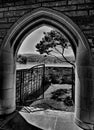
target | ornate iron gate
x=30, y=84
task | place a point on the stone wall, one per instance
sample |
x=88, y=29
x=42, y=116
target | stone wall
x=80, y=11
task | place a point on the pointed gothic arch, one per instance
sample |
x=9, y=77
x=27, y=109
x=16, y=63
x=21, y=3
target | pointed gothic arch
x=18, y=32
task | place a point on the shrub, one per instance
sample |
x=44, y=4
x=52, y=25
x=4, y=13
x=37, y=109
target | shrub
x=47, y=80
x=68, y=101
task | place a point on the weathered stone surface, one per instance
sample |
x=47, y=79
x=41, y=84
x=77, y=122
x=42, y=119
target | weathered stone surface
x=3, y=9
x=3, y=20
x=14, y=13
x=8, y=4
x=20, y=2
x=91, y=12
x=13, y=19
x=20, y=7
x=76, y=13
x=85, y=6
x=1, y=15
x=76, y=1
x=54, y=4
x=72, y=8
x=2, y=32
x=36, y=5
x=65, y=8
x=5, y=26
x=0, y=42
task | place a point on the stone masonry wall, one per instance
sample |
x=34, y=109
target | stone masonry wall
x=80, y=11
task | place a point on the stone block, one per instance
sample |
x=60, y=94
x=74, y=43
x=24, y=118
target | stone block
x=7, y=93
x=6, y=81
x=3, y=20
x=13, y=19
x=7, y=111
x=89, y=1
x=76, y=1
x=1, y=41
x=68, y=125
x=91, y=12
x=91, y=116
x=7, y=4
x=89, y=32
x=6, y=57
x=8, y=14
x=82, y=13
x=85, y=6
x=6, y=68
x=21, y=7
x=8, y=103
x=54, y=4
x=28, y=2
x=70, y=13
x=36, y=5
x=65, y=8
x=1, y=15
x=14, y=13
x=88, y=91
x=42, y=120
x=3, y=9
x=82, y=115
x=76, y=13
x=20, y=2
x=81, y=6
x=5, y=25
x=45, y=1
x=86, y=72
x=2, y=32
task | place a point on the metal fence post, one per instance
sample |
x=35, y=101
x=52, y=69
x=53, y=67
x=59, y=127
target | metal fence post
x=43, y=82
x=73, y=86
x=21, y=87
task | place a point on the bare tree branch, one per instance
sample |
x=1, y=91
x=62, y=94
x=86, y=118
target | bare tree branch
x=64, y=57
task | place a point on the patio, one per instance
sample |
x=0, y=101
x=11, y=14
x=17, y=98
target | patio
x=39, y=120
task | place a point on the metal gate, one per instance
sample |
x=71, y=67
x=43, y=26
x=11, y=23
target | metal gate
x=30, y=84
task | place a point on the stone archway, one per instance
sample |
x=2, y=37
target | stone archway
x=12, y=42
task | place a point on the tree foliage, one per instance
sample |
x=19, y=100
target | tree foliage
x=21, y=59
x=51, y=42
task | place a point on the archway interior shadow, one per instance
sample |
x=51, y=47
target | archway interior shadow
x=15, y=121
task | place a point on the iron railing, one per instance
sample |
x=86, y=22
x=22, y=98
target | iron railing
x=30, y=84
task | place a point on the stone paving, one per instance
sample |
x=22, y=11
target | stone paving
x=50, y=119
x=29, y=118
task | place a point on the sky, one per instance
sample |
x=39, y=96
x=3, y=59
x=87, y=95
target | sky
x=28, y=45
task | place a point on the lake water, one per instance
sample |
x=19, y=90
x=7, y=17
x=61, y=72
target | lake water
x=30, y=65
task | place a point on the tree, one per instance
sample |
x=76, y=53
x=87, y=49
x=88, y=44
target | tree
x=21, y=59
x=54, y=42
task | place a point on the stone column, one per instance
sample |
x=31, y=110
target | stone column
x=84, y=94
x=7, y=81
